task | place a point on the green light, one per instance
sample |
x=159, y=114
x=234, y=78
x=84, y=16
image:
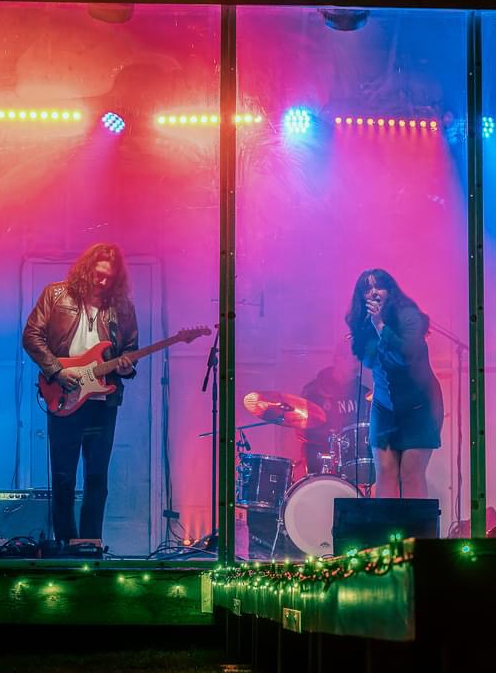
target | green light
x=85, y=568
x=466, y=549
x=121, y=578
x=146, y=577
x=352, y=552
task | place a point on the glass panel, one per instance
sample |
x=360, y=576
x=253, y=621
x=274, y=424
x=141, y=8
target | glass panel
x=359, y=162
x=108, y=134
x=489, y=159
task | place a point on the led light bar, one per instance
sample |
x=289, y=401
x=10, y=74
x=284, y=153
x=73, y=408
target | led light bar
x=203, y=119
x=388, y=122
x=41, y=115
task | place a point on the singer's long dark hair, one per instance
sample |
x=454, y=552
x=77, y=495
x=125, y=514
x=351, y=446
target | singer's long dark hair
x=356, y=316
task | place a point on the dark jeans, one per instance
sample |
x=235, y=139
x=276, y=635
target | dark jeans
x=90, y=429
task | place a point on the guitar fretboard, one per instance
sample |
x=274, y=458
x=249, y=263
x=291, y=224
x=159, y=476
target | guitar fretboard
x=105, y=368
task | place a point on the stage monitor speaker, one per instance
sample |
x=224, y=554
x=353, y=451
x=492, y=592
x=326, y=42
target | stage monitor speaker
x=369, y=522
x=26, y=513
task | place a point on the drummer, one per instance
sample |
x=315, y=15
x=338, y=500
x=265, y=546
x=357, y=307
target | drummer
x=335, y=389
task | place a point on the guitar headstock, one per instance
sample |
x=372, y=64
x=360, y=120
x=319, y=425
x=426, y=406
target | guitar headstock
x=189, y=335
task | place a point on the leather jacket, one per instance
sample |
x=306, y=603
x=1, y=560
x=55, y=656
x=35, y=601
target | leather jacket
x=53, y=322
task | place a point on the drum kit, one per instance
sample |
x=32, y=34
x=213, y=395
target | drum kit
x=305, y=508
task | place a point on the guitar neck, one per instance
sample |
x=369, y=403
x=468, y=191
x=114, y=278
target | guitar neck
x=105, y=368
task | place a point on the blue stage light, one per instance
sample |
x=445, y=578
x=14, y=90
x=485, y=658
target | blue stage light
x=297, y=120
x=113, y=122
x=487, y=127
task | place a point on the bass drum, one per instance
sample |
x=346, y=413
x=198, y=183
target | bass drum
x=309, y=511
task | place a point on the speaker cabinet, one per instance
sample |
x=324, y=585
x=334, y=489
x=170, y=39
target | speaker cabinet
x=368, y=522
x=27, y=513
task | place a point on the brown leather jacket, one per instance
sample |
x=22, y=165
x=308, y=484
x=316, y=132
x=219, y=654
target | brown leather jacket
x=53, y=322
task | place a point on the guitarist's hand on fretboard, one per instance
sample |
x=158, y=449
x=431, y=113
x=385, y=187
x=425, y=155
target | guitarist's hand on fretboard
x=125, y=366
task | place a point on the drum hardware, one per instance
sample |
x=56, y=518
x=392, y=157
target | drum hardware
x=329, y=463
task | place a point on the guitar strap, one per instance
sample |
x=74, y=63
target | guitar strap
x=113, y=329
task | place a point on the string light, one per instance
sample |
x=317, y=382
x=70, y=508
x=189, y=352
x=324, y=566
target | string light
x=314, y=574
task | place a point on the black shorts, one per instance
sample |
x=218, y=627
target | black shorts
x=416, y=428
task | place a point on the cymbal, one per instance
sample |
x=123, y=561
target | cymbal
x=283, y=409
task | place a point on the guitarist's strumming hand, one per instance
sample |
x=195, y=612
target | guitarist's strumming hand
x=68, y=378
x=125, y=366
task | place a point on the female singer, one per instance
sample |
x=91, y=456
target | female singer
x=388, y=332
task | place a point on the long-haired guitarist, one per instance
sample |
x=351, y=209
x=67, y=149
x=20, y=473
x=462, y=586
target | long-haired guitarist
x=71, y=317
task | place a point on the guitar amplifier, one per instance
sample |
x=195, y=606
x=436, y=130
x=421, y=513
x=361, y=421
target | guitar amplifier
x=27, y=513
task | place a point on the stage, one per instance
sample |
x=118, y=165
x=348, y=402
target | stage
x=421, y=600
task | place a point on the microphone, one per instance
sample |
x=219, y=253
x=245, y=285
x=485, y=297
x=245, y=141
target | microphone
x=246, y=443
x=375, y=297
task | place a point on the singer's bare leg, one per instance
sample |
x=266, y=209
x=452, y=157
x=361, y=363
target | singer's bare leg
x=387, y=469
x=413, y=466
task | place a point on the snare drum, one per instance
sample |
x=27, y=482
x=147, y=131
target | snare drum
x=356, y=455
x=308, y=512
x=262, y=480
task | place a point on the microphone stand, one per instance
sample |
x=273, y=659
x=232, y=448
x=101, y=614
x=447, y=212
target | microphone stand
x=460, y=347
x=212, y=363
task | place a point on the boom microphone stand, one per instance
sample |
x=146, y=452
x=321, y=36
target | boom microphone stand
x=212, y=363
x=460, y=347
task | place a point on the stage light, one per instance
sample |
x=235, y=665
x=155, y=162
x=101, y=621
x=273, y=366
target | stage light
x=37, y=115
x=487, y=127
x=388, y=123
x=344, y=19
x=120, y=12
x=297, y=120
x=113, y=122
x=211, y=119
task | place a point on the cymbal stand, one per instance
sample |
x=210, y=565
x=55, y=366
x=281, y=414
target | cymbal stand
x=280, y=523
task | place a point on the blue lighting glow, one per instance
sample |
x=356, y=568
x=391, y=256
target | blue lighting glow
x=487, y=127
x=297, y=120
x=113, y=122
